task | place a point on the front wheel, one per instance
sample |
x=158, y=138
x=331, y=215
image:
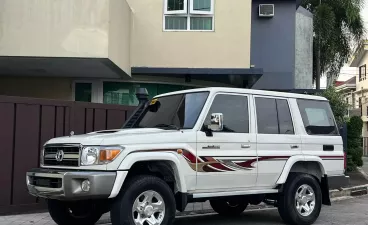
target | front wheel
x=145, y=200
x=301, y=202
x=228, y=208
x=74, y=213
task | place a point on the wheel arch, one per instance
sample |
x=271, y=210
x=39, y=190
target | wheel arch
x=312, y=165
x=165, y=164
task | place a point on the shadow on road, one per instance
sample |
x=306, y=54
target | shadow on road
x=255, y=218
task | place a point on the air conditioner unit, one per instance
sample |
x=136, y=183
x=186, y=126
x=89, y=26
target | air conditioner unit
x=266, y=10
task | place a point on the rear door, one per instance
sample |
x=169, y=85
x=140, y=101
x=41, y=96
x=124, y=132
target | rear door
x=277, y=139
x=320, y=136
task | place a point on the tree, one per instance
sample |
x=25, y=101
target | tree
x=338, y=27
x=355, y=143
x=338, y=104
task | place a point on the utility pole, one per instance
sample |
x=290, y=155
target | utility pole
x=318, y=63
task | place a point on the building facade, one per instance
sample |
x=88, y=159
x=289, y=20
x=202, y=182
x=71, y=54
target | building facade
x=360, y=61
x=101, y=50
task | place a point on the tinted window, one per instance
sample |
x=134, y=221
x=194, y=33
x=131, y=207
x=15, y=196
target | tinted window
x=267, y=116
x=273, y=116
x=317, y=117
x=181, y=111
x=284, y=116
x=235, y=111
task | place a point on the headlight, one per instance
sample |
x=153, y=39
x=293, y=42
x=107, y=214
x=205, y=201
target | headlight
x=99, y=155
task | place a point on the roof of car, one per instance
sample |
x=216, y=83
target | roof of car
x=247, y=91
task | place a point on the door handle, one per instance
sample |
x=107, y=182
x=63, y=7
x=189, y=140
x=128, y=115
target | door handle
x=245, y=146
x=294, y=146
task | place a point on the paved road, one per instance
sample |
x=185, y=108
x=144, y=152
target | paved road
x=347, y=212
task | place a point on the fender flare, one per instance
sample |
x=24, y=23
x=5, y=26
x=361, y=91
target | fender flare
x=133, y=158
x=295, y=159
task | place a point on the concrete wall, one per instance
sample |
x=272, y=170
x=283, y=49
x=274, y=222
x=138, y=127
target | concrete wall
x=304, y=49
x=37, y=87
x=227, y=47
x=120, y=34
x=273, y=45
x=63, y=28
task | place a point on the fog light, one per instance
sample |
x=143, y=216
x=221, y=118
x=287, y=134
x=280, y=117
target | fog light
x=86, y=185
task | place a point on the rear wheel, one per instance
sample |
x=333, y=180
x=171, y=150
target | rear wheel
x=74, y=213
x=227, y=207
x=301, y=201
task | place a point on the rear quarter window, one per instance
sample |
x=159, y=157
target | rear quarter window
x=317, y=117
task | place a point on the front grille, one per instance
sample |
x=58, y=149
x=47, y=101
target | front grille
x=46, y=182
x=65, y=155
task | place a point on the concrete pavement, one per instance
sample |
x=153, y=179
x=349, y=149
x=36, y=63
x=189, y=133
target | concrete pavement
x=345, y=212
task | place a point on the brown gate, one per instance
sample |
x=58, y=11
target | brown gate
x=26, y=124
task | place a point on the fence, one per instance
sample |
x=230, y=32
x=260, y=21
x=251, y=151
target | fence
x=26, y=124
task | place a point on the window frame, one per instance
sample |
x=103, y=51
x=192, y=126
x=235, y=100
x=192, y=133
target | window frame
x=207, y=109
x=363, y=76
x=278, y=122
x=188, y=15
x=184, y=11
x=198, y=12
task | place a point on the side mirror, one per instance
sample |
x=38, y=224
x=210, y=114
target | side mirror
x=217, y=122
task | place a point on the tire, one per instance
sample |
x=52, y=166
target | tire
x=226, y=208
x=289, y=200
x=63, y=214
x=138, y=191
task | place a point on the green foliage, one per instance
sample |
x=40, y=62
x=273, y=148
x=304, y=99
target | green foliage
x=338, y=104
x=355, y=143
x=338, y=25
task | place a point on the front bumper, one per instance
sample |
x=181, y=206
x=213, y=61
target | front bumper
x=66, y=185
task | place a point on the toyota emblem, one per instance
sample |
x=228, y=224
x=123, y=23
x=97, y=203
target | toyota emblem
x=59, y=155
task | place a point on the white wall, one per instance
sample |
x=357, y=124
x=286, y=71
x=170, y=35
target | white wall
x=64, y=28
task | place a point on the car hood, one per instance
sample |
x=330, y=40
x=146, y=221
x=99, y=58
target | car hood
x=121, y=136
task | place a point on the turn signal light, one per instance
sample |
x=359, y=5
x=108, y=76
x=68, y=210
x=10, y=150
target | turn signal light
x=108, y=155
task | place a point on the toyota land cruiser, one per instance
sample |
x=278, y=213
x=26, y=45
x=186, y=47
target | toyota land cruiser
x=231, y=147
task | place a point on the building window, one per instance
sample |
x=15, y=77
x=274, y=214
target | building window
x=196, y=15
x=83, y=92
x=123, y=93
x=362, y=72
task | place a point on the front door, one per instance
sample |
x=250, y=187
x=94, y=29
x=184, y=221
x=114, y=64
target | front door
x=225, y=159
x=277, y=140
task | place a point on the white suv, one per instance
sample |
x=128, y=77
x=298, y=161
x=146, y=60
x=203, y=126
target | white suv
x=233, y=147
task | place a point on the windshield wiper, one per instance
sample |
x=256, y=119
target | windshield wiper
x=167, y=126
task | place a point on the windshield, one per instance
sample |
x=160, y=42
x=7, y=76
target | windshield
x=174, y=112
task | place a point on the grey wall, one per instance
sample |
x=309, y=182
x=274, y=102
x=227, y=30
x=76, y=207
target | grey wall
x=273, y=45
x=304, y=49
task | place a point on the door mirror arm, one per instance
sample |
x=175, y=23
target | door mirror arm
x=207, y=130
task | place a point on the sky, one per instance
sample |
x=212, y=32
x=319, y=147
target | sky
x=348, y=72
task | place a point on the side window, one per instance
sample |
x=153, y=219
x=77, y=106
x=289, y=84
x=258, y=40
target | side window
x=317, y=117
x=235, y=111
x=273, y=116
x=284, y=116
